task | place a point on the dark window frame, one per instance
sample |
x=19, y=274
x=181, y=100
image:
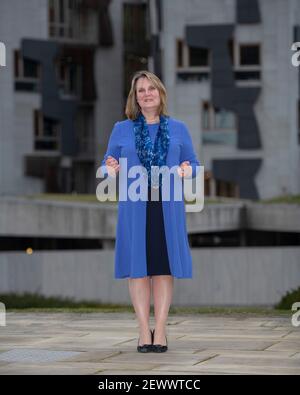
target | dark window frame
x=243, y=46
x=43, y=142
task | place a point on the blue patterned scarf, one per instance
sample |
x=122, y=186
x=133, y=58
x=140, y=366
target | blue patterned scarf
x=152, y=155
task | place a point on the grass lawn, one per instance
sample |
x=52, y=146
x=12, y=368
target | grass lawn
x=66, y=197
x=225, y=311
x=284, y=199
x=37, y=303
x=91, y=198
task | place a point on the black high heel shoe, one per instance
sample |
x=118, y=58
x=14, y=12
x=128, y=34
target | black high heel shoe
x=145, y=347
x=159, y=347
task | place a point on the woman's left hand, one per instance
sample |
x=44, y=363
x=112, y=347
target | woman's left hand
x=185, y=170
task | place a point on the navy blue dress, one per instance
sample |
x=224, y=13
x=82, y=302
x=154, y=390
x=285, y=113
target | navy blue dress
x=156, y=246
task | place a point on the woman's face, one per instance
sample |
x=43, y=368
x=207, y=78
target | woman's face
x=147, y=94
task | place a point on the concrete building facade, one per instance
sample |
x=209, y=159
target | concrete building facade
x=226, y=65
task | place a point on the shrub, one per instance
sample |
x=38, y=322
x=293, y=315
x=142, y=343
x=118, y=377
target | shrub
x=288, y=299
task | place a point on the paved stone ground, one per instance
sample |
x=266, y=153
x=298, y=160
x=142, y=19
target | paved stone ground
x=105, y=343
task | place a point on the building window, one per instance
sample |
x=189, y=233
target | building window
x=198, y=56
x=227, y=189
x=136, y=43
x=135, y=24
x=214, y=118
x=190, y=57
x=247, y=62
x=207, y=183
x=24, y=67
x=219, y=188
x=65, y=20
x=193, y=63
x=249, y=55
x=224, y=119
x=69, y=76
x=27, y=73
x=219, y=126
x=46, y=132
x=85, y=131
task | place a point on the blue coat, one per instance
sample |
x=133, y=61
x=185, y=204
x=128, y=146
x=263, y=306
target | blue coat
x=130, y=248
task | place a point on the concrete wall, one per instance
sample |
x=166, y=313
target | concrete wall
x=276, y=107
x=42, y=218
x=16, y=109
x=223, y=276
x=18, y=19
x=109, y=106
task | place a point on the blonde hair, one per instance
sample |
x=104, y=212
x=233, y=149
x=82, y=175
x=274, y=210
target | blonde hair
x=132, y=107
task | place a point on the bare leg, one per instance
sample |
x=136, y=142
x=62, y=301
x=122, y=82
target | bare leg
x=162, y=298
x=140, y=292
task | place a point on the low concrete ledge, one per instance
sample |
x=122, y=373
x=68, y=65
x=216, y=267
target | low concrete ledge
x=217, y=217
x=46, y=218
x=273, y=217
x=49, y=218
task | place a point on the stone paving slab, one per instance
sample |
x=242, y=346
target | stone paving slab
x=105, y=343
x=20, y=369
x=284, y=344
x=164, y=373
x=229, y=369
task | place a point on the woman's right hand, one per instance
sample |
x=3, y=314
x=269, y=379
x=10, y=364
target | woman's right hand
x=112, y=165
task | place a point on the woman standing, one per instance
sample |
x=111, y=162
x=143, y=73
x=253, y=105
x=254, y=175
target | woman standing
x=151, y=240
